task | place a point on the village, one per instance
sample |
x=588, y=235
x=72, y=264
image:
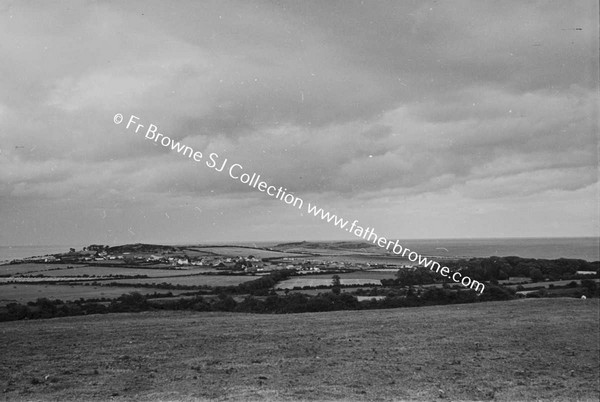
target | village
x=180, y=258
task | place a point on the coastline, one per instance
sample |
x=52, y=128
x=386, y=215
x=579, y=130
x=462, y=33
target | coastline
x=584, y=248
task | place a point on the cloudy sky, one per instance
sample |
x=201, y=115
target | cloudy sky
x=422, y=119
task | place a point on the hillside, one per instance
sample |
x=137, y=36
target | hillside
x=519, y=350
x=332, y=245
x=142, y=248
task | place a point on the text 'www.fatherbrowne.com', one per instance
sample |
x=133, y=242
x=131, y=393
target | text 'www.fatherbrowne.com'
x=236, y=172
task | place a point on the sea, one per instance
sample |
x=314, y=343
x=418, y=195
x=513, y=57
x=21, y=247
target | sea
x=585, y=248
x=9, y=253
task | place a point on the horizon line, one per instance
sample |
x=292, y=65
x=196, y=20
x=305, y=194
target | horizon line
x=321, y=240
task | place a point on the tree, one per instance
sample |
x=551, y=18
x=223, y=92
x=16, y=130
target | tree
x=336, y=280
x=224, y=303
x=502, y=275
x=536, y=275
x=133, y=301
x=591, y=286
x=405, y=277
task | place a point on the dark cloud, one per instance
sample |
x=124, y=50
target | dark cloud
x=375, y=108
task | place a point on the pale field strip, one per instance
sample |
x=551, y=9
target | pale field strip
x=23, y=293
x=28, y=268
x=190, y=280
x=313, y=282
x=365, y=298
x=45, y=279
x=355, y=275
x=394, y=270
x=196, y=280
x=547, y=284
x=100, y=271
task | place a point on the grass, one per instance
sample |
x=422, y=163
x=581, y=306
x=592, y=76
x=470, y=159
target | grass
x=105, y=271
x=196, y=280
x=547, y=284
x=31, y=267
x=314, y=292
x=543, y=349
x=301, y=282
x=323, y=280
x=22, y=293
x=231, y=251
x=362, y=259
x=356, y=275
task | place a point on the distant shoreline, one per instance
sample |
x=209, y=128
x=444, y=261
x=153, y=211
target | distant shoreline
x=245, y=242
x=584, y=248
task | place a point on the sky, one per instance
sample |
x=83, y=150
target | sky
x=420, y=119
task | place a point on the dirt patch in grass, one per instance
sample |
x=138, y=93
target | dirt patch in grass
x=545, y=349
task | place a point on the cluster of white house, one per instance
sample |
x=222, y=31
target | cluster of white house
x=247, y=264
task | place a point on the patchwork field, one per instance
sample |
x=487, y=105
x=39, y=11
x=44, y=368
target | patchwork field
x=106, y=271
x=358, y=278
x=323, y=281
x=32, y=267
x=196, y=280
x=330, y=252
x=544, y=349
x=314, y=292
x=245, y=252
x=547, y=284
x=330, y=248
x=363, y=259
x=45, y=279
x=22, y=293
x=356, y=275
x=364, y=298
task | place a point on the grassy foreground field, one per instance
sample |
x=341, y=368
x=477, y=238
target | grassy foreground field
x=528, y=349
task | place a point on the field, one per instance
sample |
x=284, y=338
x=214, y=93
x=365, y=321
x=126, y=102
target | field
x=363, y=259
x=543, y=349
x=46, y=279
x=323, y=281
x=358, y=278
x=547, y=284
x=31, y=267
x=332, y=248
x=196, y=280
x=357, y=275
x=314, y=292
x=105, y=271
x=22, y=293
x=363, y=298
x=25, y=292
x=228, y=251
